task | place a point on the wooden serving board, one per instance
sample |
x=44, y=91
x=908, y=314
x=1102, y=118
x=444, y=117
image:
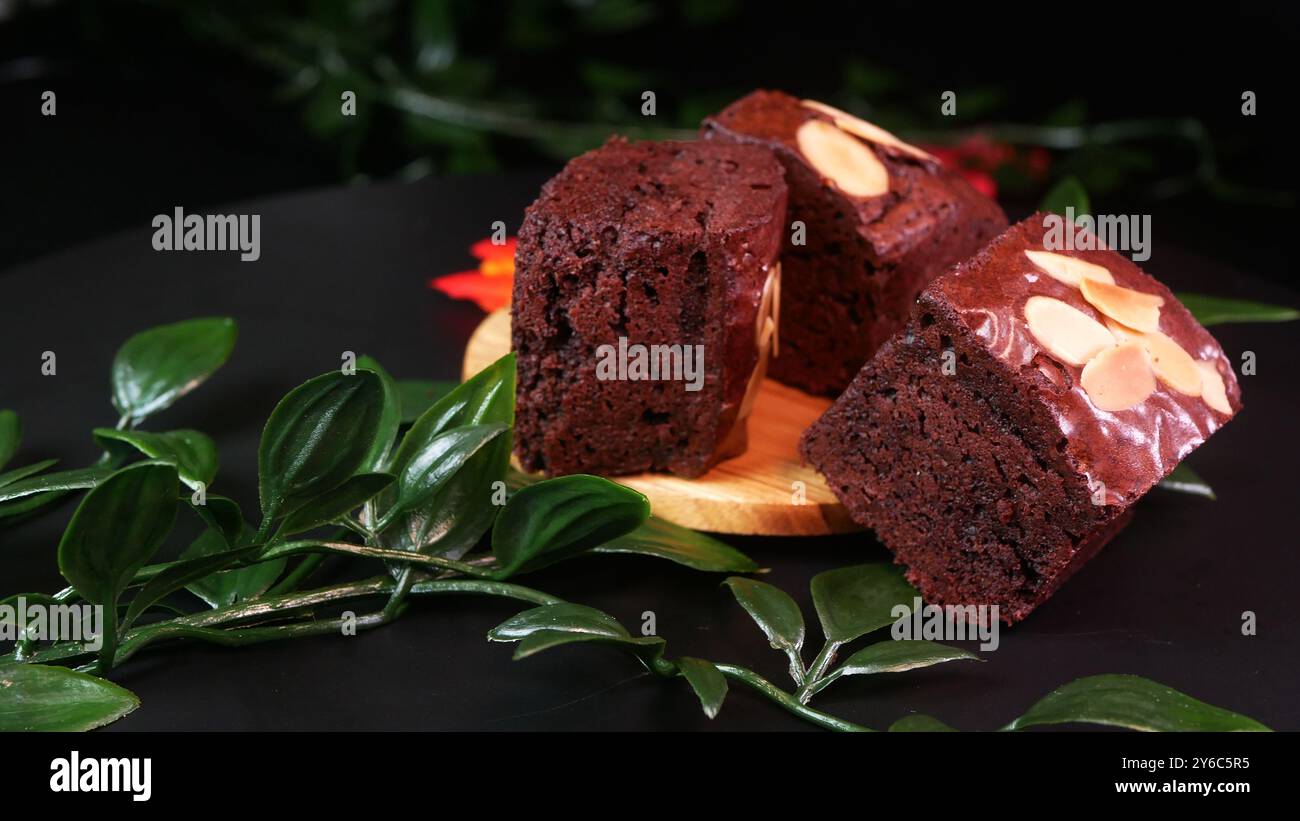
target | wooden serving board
x=755, y=493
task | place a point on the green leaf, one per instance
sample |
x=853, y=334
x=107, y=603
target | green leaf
x=156, y=367
x=192, y=452
x=37, y=698
x=1213, y=310
x=76, y=479
x=10, y=435
x=222, y=515
x=335, y=503
x=567, y=618
x=917, y=723
x=422, y=474
x=776, y=614
x=560, y=518
x=665, y=540
x=1133, y=702
x=1185, y=480
x=898, y=656
x=418, y=395
x=486, y=397
x=647, y=649
x=28, y=470
x=457, y=516
x=116, y=529
x=853, y=601
x=19, y=498
x=552, y=625
x=179, y=575
x=319, y=435
x=894, y=657
x=709, y=684
x=229, y=587
x=12, y=604
x=19, y=510
x=1068, y=193
x=389, y=420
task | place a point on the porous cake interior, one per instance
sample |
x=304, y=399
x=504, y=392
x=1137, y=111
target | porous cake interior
x=654, y=251
x=627, y=426
x=959, y=472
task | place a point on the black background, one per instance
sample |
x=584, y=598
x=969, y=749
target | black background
x=142, y=130
x=151, y=117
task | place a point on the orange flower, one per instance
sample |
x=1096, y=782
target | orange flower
x=489, y=285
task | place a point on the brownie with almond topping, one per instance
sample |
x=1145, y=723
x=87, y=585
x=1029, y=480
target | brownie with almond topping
x=868, y=244
x=1002, y=438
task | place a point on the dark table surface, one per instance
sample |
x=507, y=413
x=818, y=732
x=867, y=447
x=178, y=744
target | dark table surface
x=345, y=269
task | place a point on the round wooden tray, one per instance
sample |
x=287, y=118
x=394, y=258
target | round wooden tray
x=766, y=491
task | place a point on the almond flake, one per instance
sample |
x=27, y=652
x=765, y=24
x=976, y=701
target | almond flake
x=867, y=131
x=1064, y=331
x=843, y=160
x=1134, y=309
x=1173, y=366
x=769, y=307
x=1118, y=378
x=1212, y=389
x=1069, y=270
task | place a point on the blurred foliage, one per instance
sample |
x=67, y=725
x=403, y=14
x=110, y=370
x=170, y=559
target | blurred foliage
x=466, y=86
x=458, y=75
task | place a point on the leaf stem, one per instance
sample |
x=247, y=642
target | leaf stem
x=108, y=650
x=813, y=682
x=357, y=528
x=201, y=625
x=263, y=530
x=789, y=702
x=797, y=671
x=244, y=636
x=400, y=589
x=365, y=551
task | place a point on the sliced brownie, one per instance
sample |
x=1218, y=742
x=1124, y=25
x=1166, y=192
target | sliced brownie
x=881, y=218
x=636, y=263
x=999, y=440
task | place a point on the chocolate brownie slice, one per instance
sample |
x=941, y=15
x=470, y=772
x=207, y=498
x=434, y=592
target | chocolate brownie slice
x=1000, y=439
x=881, y=219
x=645, y=298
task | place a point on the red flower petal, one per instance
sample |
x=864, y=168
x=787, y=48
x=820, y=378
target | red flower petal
x=981, y=182
x=489, y=293
x=486, y=249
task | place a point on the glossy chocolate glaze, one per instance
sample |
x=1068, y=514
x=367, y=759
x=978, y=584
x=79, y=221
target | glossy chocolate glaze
x=1128, y=450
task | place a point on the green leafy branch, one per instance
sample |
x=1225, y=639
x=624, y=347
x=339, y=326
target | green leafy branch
x=338, y=477
x=852, y=603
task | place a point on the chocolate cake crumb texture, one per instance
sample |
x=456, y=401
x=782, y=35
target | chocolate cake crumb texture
x=670, y=243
